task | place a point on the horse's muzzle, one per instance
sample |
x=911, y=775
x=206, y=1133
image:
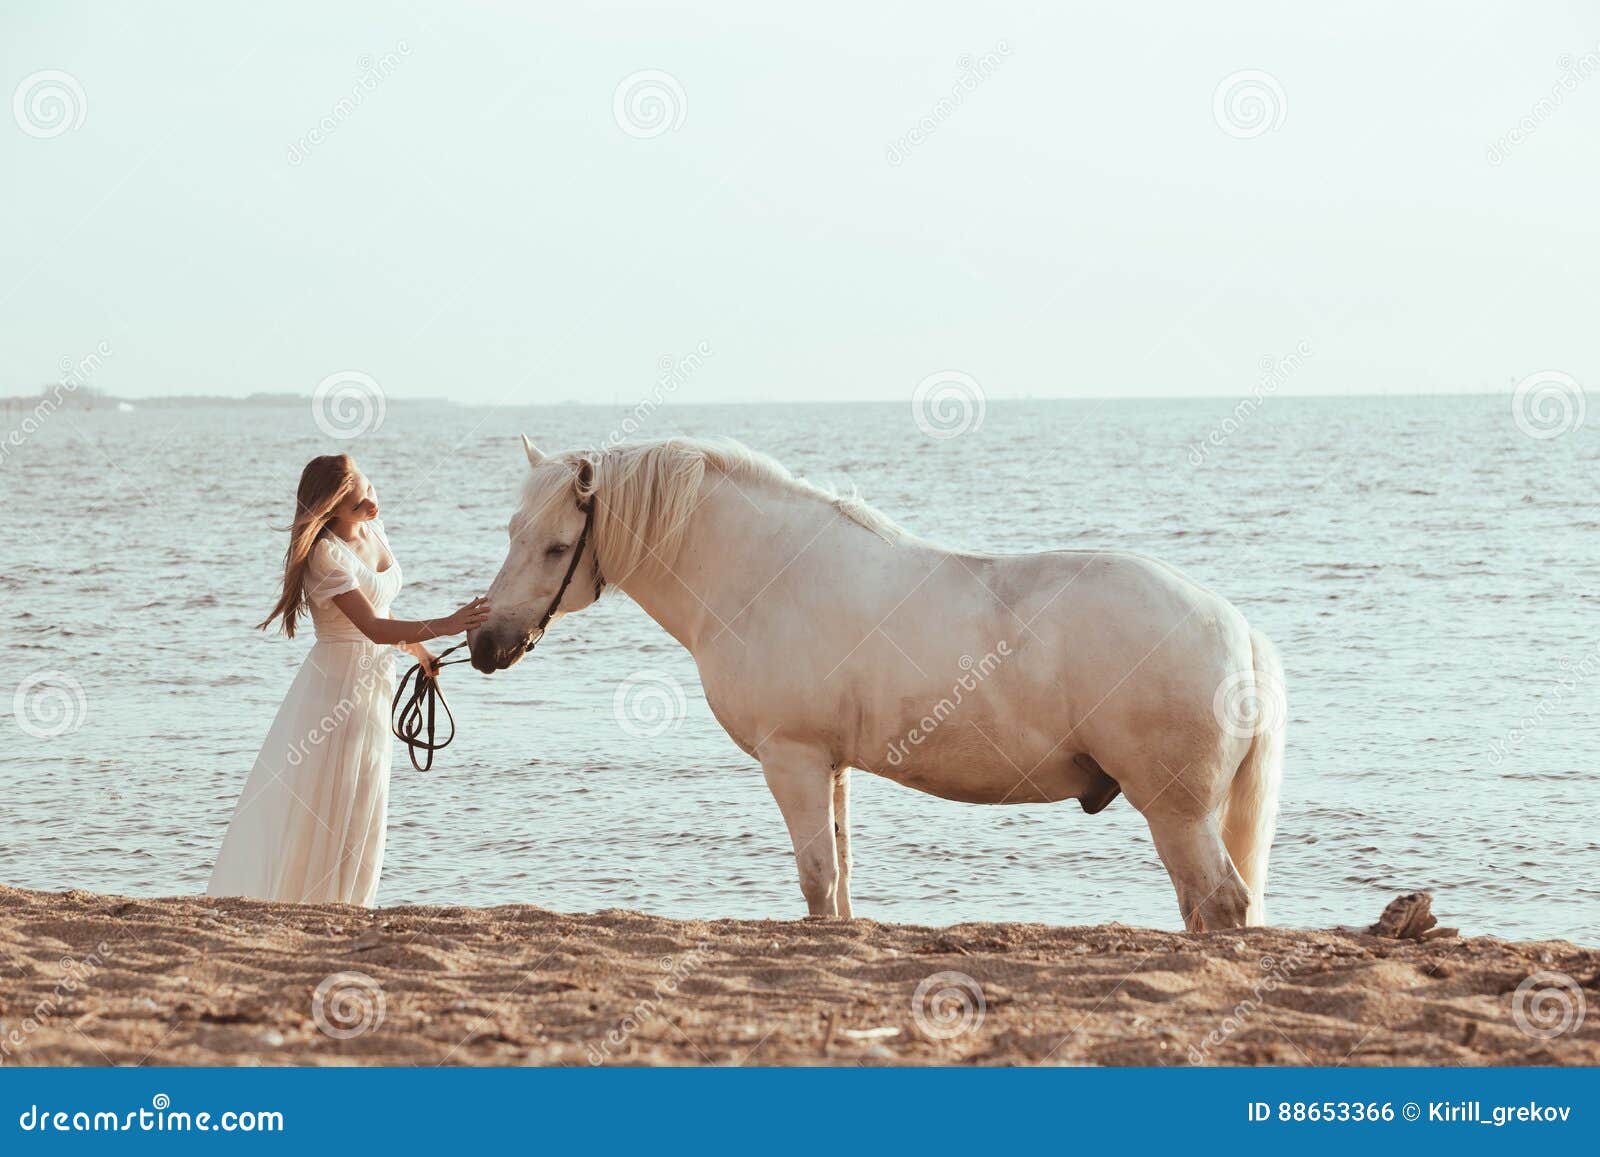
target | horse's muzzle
x=490, y=653
x=485, y=652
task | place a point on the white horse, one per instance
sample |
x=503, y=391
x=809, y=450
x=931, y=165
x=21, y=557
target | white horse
x=829, y=638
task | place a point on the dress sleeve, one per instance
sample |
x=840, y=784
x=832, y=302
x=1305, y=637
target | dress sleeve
x=328, y=574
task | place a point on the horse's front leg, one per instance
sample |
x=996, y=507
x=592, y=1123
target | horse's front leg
x=801, y=780
x=841, y=835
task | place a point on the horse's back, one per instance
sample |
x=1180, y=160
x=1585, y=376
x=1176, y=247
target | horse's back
x=1107, y=609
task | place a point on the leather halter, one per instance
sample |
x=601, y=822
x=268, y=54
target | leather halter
x=413, y=720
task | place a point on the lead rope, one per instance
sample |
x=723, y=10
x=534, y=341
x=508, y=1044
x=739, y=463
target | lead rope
x=422, y=695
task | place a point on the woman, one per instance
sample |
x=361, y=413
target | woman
x=309, y=827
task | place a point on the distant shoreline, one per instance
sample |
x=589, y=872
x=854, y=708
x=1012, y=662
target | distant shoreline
x=107, y=402
x=86, y=400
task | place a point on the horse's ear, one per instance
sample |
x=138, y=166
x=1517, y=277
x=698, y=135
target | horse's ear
x=585, y=477
x=532, y=451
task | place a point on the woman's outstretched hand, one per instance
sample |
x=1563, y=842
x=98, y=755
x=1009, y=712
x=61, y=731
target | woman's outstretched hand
x=469, y=616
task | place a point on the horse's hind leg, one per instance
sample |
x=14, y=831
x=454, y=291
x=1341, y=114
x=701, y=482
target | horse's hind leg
x=1211, y=894
x=841, y=835
x=802, y=781
x=1182, y=808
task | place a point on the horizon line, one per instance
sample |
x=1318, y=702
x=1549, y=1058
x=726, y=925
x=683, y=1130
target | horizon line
x=263, y=396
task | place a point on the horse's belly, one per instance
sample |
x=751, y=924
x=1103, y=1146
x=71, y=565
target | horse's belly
x=966, y=774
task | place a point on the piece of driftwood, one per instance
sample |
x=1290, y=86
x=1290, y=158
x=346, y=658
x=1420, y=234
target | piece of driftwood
x=1407, y=917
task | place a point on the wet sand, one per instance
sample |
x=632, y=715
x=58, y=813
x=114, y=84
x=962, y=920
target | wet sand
x=90, y=979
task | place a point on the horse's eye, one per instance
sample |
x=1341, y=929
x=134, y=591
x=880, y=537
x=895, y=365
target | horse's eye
x=558, y=549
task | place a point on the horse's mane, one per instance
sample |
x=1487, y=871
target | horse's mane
x=646, y=491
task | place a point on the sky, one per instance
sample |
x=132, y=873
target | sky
x=536, y=203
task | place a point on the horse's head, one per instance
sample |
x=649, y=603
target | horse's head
x=544, y=532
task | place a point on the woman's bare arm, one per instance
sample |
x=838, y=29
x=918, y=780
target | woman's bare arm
x=401, y=632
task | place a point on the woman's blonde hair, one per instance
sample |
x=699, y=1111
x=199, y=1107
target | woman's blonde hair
x=324, y=483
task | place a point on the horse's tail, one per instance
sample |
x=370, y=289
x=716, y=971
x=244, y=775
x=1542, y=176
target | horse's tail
x=1250, y=813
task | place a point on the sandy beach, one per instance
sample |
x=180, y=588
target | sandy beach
x=90, y=979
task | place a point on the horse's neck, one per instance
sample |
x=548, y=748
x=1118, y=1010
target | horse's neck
x=722, y=568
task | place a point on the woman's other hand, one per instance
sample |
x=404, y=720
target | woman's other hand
x=428, y=661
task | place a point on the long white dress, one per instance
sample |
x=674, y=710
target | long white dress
x=309, y=827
